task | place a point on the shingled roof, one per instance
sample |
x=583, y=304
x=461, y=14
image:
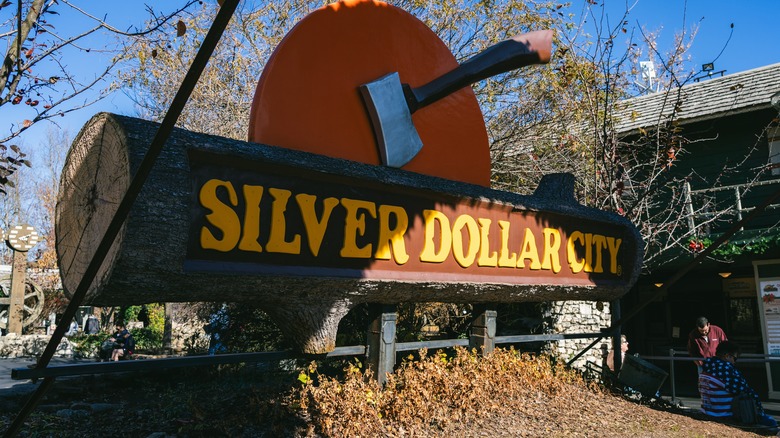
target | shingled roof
x=714, y=98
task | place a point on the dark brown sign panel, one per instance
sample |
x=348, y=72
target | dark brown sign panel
x=308, y=237
x=254, y=217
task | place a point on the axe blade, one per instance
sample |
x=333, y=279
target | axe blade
x=391, y=120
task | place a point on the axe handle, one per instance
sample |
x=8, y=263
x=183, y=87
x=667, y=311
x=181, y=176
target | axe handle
x=518, y=51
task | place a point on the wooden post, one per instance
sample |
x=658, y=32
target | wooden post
x=21, y=238
x=381, y=341
x=482, y=334
x=16, y=309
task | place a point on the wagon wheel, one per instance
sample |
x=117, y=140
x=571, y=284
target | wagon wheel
x=33, y=301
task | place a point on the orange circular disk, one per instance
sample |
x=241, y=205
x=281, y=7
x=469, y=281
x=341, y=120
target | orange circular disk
x=308, y=99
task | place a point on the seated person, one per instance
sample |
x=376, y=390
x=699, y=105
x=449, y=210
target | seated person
x=611, y=355
x=125, y=344
x=720, y=382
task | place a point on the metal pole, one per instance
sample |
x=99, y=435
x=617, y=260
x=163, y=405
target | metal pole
x=123, y=210
x=671, y=374
x=28, y=407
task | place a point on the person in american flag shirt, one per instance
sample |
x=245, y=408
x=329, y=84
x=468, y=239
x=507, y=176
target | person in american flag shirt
x=720, y=382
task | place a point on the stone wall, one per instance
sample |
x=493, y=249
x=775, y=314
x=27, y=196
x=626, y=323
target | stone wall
x=13, y=345
x=577, y=317
x=188, y=337
x=187, y=333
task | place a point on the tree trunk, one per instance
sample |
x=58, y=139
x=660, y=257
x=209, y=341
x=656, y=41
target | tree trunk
x=147, y=260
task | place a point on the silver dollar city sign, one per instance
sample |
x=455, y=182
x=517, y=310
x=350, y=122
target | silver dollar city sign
x=365, y=180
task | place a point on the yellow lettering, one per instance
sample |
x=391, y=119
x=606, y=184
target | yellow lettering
x=251, y=234
x=355, y=225
x=529, y=252
x=315, y=227
x=429, y=252
x=222, y=217
x=576, y=264
x=600, y=243
x=392, y=237
x=506, y=259
x=276, y=238
x=588, y=252
x=466, y=259
x=613, y=245
x=552, y=243
x=486, y=258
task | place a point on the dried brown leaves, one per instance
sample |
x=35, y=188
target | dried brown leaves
x=505, y=394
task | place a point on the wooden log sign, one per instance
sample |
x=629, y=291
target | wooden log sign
x=307, y=237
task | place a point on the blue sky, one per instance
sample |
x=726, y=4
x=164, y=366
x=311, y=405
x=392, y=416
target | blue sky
x=754, y=42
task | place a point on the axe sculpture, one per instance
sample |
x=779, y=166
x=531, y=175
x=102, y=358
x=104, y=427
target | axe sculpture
x=390, y=103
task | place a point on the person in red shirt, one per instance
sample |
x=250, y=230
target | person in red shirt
x=703, y=341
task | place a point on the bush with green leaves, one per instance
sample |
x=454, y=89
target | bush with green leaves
x=85, y=345
x=147, y=339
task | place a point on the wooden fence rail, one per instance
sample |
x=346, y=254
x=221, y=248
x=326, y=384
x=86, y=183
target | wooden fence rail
x=381, y=340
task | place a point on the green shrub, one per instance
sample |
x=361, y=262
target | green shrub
x=130, y=313
x=155, y=312
x=156, y=317
x=88, y=345
x=147, y=338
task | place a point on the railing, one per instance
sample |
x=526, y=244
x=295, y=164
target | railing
x=68, y=370
x=734, y=205
x=673, y=357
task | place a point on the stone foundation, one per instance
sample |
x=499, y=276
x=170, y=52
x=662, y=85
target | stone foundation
x=577, y=317
x=187, y=333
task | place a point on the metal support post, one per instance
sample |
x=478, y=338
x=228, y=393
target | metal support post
x=381, y=342
x=226, y=10
x=482, y=334
x=16, y=309
x=671, y=374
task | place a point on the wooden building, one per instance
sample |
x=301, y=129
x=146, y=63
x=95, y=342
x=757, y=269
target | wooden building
x=728, y=164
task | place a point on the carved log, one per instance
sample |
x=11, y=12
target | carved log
x=152, y=258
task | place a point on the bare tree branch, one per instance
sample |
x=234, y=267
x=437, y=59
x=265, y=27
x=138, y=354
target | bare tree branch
x=35, y=80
